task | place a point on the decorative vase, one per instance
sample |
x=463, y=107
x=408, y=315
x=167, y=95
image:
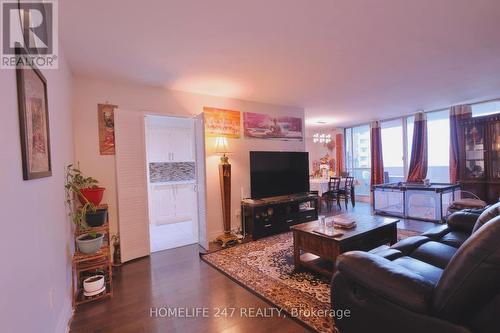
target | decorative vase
x=89, y=245
x=93, y=195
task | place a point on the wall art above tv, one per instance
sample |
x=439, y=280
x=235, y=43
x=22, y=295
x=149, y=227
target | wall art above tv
x=263, y=126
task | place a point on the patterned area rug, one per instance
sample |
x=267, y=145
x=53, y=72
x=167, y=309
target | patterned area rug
x=266, y=267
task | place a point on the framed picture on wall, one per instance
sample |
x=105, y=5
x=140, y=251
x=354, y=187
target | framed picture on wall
x=106, y=121
x=33, y=122
x=220, y=122
x=264, y=126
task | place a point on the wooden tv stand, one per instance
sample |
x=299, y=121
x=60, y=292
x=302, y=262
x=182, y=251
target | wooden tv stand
x=269, y=216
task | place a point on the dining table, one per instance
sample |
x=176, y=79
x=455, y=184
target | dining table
x=321, y=185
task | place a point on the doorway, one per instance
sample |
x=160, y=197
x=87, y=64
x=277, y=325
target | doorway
x=171, y=176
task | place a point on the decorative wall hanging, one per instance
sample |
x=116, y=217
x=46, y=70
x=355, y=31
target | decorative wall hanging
x=106, y=120
x=262, y=126
x=33, y=122
x=220, y=122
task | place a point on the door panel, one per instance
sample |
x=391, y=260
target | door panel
x=200, y=180
x=131, y=176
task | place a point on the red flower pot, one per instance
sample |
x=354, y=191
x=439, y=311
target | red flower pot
x=93, y=195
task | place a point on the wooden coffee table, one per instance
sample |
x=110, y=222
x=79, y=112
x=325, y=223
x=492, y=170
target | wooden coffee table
x=319, y=252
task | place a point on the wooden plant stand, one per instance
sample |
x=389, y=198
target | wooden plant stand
x=84, y=265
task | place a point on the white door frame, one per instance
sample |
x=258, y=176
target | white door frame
x=201, y=223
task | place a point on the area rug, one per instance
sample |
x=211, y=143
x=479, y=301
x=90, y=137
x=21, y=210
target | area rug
x=266, y=268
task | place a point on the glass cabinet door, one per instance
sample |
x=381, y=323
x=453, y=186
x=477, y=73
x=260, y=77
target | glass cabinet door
x=474, y=151
x=495, y=150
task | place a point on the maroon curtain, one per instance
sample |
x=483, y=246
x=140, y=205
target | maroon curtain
x=418, y=160
x=339, y=154
x=457, y=113
x=377, y=170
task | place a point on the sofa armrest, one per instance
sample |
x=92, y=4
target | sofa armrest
x=462, y=221
x=388, y=280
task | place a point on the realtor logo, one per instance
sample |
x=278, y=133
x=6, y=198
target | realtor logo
x=32, y=27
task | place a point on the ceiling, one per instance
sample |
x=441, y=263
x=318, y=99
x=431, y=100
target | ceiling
x=345, y=61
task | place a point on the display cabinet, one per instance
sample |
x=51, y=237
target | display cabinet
x=480, y=156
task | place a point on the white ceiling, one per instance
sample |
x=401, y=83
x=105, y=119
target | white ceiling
x=344, y=61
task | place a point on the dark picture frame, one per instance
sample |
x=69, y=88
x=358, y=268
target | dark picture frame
x=33, y=121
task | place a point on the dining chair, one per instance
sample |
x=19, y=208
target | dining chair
x=346, y=192
x=333, y=191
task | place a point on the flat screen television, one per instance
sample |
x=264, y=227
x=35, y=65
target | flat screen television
x=278, y=173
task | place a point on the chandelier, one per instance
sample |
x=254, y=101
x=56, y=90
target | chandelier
x=322, y=138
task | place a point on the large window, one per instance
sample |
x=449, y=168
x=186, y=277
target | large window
x=438, y=146
x=392, y=150
x=358, y=157
x=484, y=109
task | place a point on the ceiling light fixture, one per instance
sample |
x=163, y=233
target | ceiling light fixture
x=322, y=138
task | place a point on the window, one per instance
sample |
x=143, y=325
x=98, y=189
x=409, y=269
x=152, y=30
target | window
x=392, y=150
x=358, y=157
x=438, y=146
x=484, y=109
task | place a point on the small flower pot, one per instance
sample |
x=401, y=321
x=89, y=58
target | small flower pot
x=89, y=245
x=93, y=195
x=97, y=218
x=93, y=283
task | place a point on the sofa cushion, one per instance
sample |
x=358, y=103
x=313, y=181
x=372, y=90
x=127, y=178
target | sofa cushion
x=409, y=244
x=387, y=252
x=490, y=213
x=427, y=271
x=434, y=253
x=437, y=232
x=454, y=238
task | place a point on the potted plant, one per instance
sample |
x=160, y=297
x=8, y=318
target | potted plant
x=90, y=242
x=84, y=215
x=94, y=282
x=86, y=187
x=116, y=250
x=88, y=215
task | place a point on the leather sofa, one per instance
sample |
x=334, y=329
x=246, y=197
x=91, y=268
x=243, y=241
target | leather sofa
x=446, y=280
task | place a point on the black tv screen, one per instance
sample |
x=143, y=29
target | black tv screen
x=278, y=173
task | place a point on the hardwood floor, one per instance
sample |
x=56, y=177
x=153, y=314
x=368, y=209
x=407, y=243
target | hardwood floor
x=175, y=278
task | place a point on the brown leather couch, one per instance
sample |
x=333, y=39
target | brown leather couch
x=446, y=280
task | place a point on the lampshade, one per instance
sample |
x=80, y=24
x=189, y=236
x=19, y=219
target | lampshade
x=221, y=145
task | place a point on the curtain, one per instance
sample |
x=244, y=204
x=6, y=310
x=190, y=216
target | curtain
x=377, y=161
x=457, y=113
x=418, y=160
x=339, y=154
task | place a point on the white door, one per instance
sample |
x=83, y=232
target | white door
x=131, y=177
x=200, y=180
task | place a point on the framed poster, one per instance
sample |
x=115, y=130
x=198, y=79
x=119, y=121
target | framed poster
x=106, y=121
x=33, y=122
x=263, y=126
x=220, y=122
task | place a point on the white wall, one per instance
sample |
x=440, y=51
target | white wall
x=35, y=273
x=319, y=150
x=89, y=92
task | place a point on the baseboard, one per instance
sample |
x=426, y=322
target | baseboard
x=65, y=317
